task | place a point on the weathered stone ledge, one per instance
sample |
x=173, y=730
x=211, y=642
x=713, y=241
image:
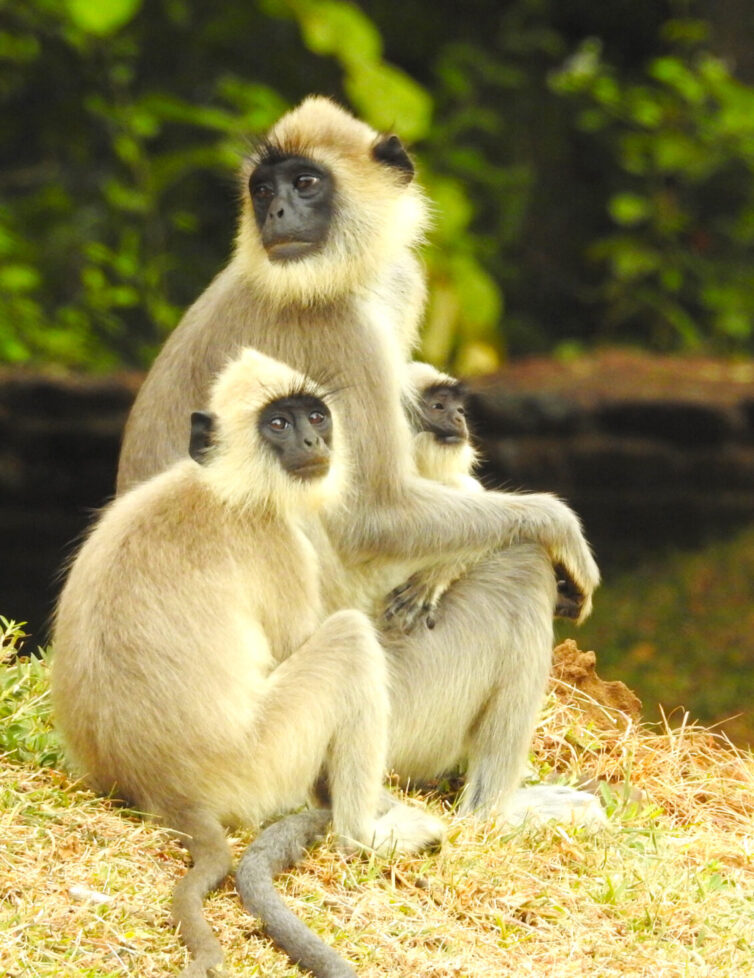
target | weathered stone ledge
x=650, y=451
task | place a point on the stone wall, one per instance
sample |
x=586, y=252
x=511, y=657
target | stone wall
x=59, y=440
x=648, y=451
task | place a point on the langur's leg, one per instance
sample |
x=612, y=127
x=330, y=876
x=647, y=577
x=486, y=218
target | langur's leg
x=469, y=690
x=328, y=704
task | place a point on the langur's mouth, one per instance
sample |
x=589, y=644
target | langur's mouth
x=312, y=470
x=449, y=439
x=290, y=250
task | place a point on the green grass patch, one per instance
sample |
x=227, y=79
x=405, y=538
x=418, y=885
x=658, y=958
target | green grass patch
x=680, y=631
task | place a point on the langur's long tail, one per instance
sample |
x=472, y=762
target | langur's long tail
x=276, y=849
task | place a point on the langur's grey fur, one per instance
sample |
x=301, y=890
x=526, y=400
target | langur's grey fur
x=280, y=846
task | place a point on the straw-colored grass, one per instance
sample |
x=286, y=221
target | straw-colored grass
x=667, y=889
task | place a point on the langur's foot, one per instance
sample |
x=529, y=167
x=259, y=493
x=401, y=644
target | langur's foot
x=541, y=803
x=570, y=600
x=403, y=830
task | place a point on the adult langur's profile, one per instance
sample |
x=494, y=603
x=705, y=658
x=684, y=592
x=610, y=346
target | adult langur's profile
x=195, y=672
x=324, y=277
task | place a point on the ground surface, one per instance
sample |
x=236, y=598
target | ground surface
x=666, y=890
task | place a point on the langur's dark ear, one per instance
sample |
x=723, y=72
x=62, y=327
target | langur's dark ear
x=202, y=429
x=390, y=151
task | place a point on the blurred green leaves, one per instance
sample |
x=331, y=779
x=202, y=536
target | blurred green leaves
x=95, y=248
x=678, y=270
x=582, y=192
x=101, y=17
x=26, y=732
x=95, y=227
x=386, y=97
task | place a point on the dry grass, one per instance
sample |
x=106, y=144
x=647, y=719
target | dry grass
x=666, y=890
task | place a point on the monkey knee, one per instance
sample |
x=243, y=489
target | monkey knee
x=351, y=632
x=350, y=624
x=351, y=638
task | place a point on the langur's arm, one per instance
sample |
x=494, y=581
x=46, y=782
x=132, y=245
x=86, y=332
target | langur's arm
x=428, y=521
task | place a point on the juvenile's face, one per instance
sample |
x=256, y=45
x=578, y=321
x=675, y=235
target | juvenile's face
x=443, y=413
x=298, y=430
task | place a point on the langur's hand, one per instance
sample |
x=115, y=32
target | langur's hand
x=572, y=559
x=413, y=600
x=570, y=600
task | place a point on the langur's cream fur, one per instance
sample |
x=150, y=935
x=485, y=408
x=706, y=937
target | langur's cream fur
x=233, y=471
x=468, y=691
x=449, y=464
x=377, y=217
x=195, y=673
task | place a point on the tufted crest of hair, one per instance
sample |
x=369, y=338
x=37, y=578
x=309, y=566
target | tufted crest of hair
x=379, y=213
x=422, y=375
x=241, y=467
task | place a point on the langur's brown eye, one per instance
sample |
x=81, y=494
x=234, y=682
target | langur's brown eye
x=262, y=190
x=438, y=406
x=279, y=424
x=305, y=181
x=316, y=417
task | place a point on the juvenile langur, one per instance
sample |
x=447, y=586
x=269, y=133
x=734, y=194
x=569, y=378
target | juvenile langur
x=195, y=673
x=442, y=442
x=436, y=404
x=325, y=277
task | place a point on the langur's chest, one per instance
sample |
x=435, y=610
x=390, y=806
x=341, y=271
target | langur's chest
x=288, y=600
x=328, y=344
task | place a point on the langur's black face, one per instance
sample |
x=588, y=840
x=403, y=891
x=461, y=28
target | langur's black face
x=293, y=202
x=443, y=412
x=299, y=431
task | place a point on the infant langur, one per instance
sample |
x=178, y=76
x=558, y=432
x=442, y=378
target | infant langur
x=194, y=672
x=436, y=404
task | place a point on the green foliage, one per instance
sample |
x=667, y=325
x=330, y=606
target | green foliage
x=676, y=269
x=487, y=95
x=102, y=222
x=105, y=243
x=384, y=96
x=584, y=189
x=26, y=732
x=101, y=18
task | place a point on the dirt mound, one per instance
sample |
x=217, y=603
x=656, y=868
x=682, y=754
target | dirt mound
x=574, y=669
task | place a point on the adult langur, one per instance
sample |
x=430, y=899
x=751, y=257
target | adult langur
x=324, y=277
x=195, y=672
